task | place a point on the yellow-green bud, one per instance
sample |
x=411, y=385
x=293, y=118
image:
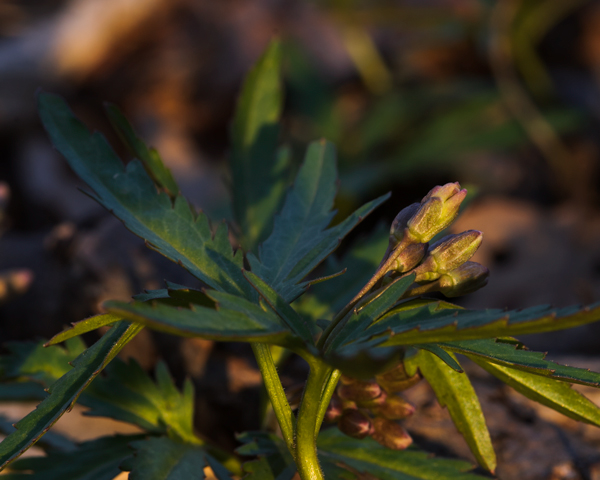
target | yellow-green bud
x=389, y=434
x=355, y=424
x=438, y=209
x=467, y=278
x=448, y=254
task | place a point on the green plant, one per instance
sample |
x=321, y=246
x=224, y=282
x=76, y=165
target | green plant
x=381, y=340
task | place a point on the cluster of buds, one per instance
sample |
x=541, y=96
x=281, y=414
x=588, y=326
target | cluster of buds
x=442, y=266
x=373, y=407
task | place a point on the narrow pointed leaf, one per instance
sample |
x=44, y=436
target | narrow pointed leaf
x=171, y=228
x=342, y=455
x=258, y=170
x=83, y=326
x=361, y=261
x=94, y=460
x=65, y=391
x=153, y=164
x=547, y=391
x=370, y=457
x=422, y=326
x=439, y=352
x=292, y=319
x=454, y=391
x=300, y=239
x=248, y=323
x=509, y=355
x=358, y=321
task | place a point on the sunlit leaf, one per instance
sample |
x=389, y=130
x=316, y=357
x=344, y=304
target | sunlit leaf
x=547, y=391
x=509, y=355
x=454, y=391
x=259, y=171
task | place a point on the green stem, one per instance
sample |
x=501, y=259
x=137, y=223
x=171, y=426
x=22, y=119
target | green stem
x=326, y=398
x=282, y=409
x=383, y=268
x=307, y=460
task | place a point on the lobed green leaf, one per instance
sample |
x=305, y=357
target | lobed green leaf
x=300, y=239
x=169, y=227
x=65, y=391
x=243, y=322
x=510, y=355
x=128, y=394
x=165, y=459
x=286, y=312
x=94, y=460
x=424, y=325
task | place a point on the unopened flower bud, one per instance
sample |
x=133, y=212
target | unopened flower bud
x=438, y=209
x=394, y=408
x=374, y=402
x=396, y=379
x=334, y=410
x=467, y=278
x=401, y=222
x=359, y=391
x=410, y=257
x=389, y=434
x=355, y=424
x=348, y=405
x=448, y=254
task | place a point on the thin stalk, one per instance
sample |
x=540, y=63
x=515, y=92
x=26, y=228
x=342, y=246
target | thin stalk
x=383, y=268
x=272, y=383
x=326, y=398
x=307, y=460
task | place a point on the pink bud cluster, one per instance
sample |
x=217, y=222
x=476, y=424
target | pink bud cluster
x=373, y=407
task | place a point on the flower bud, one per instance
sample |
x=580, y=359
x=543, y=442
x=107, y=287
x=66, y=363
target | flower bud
x=355, y=424
x=390, y=434
x=467, y=278
x=448, y=254
x=396, y=379
x=400, y=223
x=334, y=410
x=438, y=209
x=410, y=257
x=394, y=408
x=374, y=402
x=358, y=391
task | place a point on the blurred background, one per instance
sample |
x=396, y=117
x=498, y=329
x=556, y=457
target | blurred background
x=502, y=96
